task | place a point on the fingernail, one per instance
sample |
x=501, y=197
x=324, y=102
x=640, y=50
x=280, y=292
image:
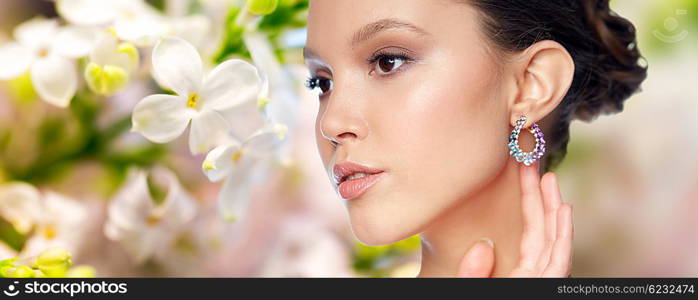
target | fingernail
x=488, y=241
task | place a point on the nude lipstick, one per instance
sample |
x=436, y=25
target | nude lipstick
x=353, y=179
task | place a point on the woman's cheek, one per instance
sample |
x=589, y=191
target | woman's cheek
x=446, y=128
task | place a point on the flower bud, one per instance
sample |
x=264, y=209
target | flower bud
x=105, y=80
x=53, y=262
x=20, y=272
x=262, y=7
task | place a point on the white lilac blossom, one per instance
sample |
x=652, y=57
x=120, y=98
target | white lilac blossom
x=195, y=29
x=237, y=164
x=143, y=223
x=20, y=205
x=92, y=12
x=48, y=220
x=278, y=100
x=133, y=20
x=62, y=224
x=47, y=51
x=111, y=64
x=206, y=102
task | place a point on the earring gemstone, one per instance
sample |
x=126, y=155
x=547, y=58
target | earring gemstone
x=515, y=151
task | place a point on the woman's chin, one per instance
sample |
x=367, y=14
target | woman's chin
x=373, y=238
x=378, y=231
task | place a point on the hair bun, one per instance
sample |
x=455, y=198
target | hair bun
x=616, y=73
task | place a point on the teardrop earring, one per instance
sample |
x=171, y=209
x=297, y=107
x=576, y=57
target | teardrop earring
x=527, y=158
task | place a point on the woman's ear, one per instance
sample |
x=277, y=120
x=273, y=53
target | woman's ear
x=543, y=74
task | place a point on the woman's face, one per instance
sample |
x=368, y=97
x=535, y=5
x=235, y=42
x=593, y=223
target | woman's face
x=407, y=88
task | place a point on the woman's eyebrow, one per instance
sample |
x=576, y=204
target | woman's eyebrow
x=371, y=29
x=367, y=31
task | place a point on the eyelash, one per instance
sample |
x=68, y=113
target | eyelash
x=314, y=81
x=404, y=56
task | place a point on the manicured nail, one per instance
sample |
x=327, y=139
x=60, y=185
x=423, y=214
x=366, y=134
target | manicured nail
x=488, y=241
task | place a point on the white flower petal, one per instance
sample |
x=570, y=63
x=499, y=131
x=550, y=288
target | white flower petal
x=74, y=41
x=130, y=207
x=266, y=140
x=108, y=51
x=231, y=83
x=283, y=100
x=86, y=12
x=219, y=162
x=207, y=128
x=234, y=196
x=244, y=119
x=142, y=246
x=66, y=216
x=194, y=28
x=20, y=204
x=55, y=79
x=141, y=225
x=63, y=209
x=113, y=232
x=15, y=59
x=37, y=243
x=264, y=90
x=36, y=33
x=178, y=207
x=142, y=30
x=104, y=49
x=181, y=208
x=161, y=118
x=177, y=65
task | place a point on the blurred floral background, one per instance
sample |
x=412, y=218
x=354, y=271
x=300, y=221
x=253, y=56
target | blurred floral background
x=117, y=157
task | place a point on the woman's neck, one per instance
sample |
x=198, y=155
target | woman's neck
x=493, y=212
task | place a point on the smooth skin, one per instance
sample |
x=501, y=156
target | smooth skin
x=437, y=124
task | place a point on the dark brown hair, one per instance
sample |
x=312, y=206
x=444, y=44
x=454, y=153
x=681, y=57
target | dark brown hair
x=602, y=44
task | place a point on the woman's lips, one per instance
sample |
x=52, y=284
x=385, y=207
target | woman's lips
x=353, y=188
x=354, y=179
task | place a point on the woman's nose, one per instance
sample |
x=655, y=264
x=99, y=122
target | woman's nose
x=343, y=120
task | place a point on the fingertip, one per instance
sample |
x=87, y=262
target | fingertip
x=548, y=179
x=488, y=241
x=553, y=177
x=478, y=261
x=566, y=209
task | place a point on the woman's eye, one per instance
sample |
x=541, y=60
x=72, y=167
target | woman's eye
x=387, y=63
x=325, y=84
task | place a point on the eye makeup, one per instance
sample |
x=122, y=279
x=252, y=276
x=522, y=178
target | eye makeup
x=385, y=62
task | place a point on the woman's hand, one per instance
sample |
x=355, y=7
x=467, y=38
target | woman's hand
x=546, y=243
